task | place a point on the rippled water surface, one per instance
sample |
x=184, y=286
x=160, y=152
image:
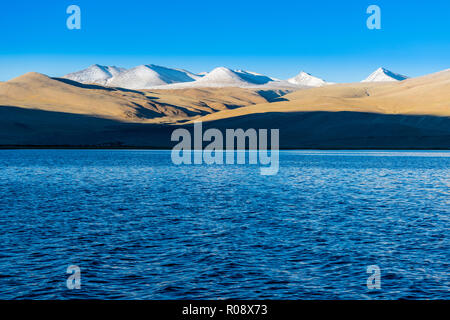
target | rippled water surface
x=140, y=227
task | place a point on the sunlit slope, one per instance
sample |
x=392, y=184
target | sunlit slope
x=427, y=95
x=39, y=92
x=424, y=95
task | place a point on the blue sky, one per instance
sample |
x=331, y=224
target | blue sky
x=279, y=38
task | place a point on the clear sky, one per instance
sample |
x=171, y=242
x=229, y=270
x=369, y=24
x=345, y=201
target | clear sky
x=279, y=37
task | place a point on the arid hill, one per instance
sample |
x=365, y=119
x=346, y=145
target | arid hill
x=39, y=92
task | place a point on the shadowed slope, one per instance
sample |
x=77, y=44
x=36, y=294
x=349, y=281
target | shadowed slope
x=342, y=130
x=317, y=130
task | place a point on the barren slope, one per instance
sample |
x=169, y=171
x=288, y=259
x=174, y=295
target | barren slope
x=37, y=91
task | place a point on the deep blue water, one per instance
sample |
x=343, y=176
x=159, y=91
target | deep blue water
x=140, y=227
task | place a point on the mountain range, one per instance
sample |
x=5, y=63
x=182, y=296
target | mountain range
x=153, y=76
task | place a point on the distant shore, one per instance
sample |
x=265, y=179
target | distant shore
x=67, y=147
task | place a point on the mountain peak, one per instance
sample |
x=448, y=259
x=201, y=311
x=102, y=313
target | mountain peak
x=383, y=74
x=30, y=76
x=96, y=73
x=151, y=75
x=306, y=79
x=222, y=76
x=221, y=71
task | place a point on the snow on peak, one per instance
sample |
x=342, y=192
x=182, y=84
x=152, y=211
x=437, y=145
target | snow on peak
x=153, y=76
x=225, y=77
x=95, y=74
x=382, y=74
x=222, y=76
x=307, y=79
x=148, y=76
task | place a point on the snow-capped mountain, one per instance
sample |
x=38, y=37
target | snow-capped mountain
x=307, y=79
x=95, y=74
x=149, y=76
x=224, y=77
x=158, y=77
x=382, y=74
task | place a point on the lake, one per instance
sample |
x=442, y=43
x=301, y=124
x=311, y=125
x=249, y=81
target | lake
x=140, y=227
